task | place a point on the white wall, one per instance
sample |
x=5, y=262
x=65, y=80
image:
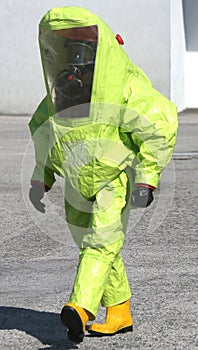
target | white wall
x=178, y=49
x=144, y=24
x=184, y=64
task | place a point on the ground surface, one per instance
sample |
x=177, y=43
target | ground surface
x=38, y=257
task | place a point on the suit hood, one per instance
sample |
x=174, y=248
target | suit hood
x=112, y=65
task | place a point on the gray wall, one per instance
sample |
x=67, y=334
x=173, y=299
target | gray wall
x=144, y=25
x=190, y=8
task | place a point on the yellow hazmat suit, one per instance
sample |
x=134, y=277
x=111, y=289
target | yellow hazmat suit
x=123, y=134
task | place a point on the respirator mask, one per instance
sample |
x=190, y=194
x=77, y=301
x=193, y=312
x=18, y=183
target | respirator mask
x=69, y=59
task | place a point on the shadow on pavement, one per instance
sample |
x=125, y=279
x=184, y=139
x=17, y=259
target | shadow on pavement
x=45, y=326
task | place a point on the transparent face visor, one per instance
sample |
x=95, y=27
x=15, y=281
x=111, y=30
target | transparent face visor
x=69, y=59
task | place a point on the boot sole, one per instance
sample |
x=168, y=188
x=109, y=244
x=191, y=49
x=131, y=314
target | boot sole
x=71, y=319
x=100, y=334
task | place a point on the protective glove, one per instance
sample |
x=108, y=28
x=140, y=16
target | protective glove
x=142, y=196
x=36, y=193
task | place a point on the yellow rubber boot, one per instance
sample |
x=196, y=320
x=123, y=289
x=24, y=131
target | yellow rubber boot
x=75, y=318
x=118, y=320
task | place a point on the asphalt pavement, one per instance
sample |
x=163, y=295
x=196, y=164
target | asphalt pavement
x=38, y=259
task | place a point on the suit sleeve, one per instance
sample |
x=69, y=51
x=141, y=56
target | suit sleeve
x=40, y=130
x=151, y=120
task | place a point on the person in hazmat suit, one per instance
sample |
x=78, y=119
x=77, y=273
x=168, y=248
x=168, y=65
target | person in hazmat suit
x=109, y=133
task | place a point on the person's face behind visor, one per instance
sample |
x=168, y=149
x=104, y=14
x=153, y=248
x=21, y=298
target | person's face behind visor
x=69, y=60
